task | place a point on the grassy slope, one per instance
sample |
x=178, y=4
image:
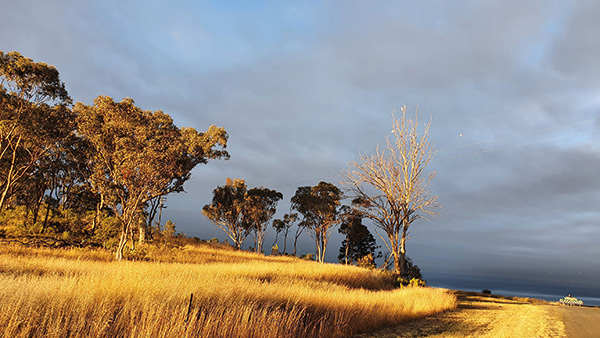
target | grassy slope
x=74, y=293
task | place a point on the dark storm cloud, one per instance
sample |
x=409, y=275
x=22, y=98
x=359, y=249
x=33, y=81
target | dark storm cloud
x=302, y=88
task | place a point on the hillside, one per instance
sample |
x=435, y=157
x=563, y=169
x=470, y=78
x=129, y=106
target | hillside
x=83, y=292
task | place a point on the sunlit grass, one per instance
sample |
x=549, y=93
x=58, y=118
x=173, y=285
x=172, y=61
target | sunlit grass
x=75, y=293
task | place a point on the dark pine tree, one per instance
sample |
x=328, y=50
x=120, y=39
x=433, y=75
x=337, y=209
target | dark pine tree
x=411, y=270
x=359, y=241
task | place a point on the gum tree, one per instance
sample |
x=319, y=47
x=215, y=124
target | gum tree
x=321, y=210
x=140, y=155
x=227, y=210
x=34, y=117
x=260, y=205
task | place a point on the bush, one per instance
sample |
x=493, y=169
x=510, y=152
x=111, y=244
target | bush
x=366, y=262
x=414, y=282
x=308, y=257
x=486, y=292
x=275, y=250
x=139, y=254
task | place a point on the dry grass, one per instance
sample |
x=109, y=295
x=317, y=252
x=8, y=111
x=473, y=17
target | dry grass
x=480, y=315
x=81, y=293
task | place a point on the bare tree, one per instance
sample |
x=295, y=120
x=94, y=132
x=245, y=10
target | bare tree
x=391, y=187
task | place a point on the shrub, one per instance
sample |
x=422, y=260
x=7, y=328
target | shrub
x=366, y=261
x=308, y=257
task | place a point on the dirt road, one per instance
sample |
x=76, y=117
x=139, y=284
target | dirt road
x=580, y=322
x=484, y=316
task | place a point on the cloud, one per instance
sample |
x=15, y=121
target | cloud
x=303, y=88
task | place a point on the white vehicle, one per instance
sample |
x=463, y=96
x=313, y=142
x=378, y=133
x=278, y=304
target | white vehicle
x=571, y=301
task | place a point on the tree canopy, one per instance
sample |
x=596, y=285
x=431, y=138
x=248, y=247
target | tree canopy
x=34, y=117
x=320, y=207
x=260, y=205
x=227, y=210
x=240, y=212
x=359, y=241
x=139, y=155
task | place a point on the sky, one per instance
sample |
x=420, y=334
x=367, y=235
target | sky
x=512, y=90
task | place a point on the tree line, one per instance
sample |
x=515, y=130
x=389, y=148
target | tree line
x=389, y=187
x=87, y=164
x=101, y=172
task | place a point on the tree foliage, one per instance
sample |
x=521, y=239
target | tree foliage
x=227, y=210
x=391, y=187
x=240, y=212
x=321, y=210
x=284, y=225
x=139, y=155
x=412, y=270
x=358, y=243
x=260, y=205
x=89, y=174
x=34, y=118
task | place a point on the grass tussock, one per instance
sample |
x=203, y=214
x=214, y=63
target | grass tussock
x=64, y=293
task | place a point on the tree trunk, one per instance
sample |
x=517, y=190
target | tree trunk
x=259, y=241
x=126, y=220
x=276, y=239
x=160, y=209
x=402, y=255
x=46, y=218
x=36, y=208
x=132, y=238
x=142, y=233
x=347, y=249
x=9, y=177
x=6, y=188
x=96, y=220
x=295, y=241
x=256, y=241
x=284, y=241
x=323, y=246
x=26, y=217
x=121, y=246
x=395, y=254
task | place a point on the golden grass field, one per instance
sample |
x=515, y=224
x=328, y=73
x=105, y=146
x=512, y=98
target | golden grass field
x=484, y=316
x=84, y=293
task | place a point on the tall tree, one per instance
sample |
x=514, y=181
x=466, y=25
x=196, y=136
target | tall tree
x=34, y=117
x=139, y=155
x=320, y=208
x=359, y=241
x=391, y=186
x=260, y=205
x=227, y=210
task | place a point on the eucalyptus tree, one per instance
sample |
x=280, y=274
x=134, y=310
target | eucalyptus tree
x=391, y=187
x=284, y=225
x=138, y=155
x=240, y=211
x=226, y=210
x=321, y=210
x=260, y=205
x=34, y=117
